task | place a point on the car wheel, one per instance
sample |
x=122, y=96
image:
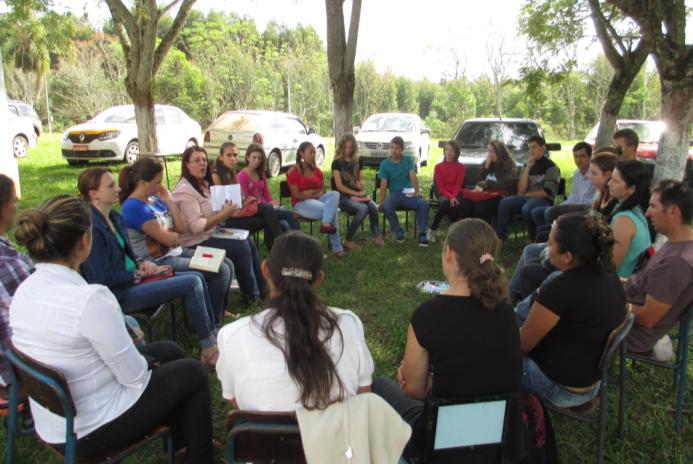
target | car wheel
x=20, y=145
x=274, y=164
x=132, y=150
x=319, y=156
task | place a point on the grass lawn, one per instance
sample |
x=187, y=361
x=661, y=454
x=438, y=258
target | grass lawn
x=379, y=285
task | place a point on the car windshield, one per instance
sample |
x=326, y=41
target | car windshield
x=389, y=123
x=116, y=115
x=647, y=131
x=236, y=122
x=480, y=134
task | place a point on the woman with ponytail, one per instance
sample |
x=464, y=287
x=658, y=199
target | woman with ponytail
x=298, y=353
x=463, y=342
x=573, y=314
x=155, y=223
x=120, y=393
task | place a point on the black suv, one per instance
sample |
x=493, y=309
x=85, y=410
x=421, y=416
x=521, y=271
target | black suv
x=474, y=135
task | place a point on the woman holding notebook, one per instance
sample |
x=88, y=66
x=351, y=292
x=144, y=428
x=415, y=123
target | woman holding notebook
x=136, y=282
x=193, y=196
x=155, y=223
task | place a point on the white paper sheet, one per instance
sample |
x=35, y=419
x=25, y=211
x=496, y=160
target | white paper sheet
x=225, y=193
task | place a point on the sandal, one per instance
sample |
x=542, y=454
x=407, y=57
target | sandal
x=209, y=357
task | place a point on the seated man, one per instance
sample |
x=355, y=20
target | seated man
x=663, y=290
x=626, y=142
x=581, y=194
x=396, y=174
x=537, y=187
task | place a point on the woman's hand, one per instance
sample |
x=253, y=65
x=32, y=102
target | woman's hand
x=164, y=195
x=229, y=209
x=147, y=268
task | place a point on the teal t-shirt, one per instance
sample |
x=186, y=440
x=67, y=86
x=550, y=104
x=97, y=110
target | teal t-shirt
x=130, y=265
x=396, y=174
x=639, y=243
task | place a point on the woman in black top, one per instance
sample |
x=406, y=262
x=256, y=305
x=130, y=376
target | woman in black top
x=463, y=342
x=573, y=314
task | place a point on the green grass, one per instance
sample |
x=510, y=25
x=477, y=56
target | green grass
x=378, y=285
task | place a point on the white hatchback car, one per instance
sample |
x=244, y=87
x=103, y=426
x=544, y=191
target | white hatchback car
x=280, y=135
x=374, y=137
x=112, y=135
x=23, y=135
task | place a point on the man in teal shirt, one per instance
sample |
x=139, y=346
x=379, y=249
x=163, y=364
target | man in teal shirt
x=396, y=174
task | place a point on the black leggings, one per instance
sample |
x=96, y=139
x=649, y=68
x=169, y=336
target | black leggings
x=177, y=395
x=266, y=218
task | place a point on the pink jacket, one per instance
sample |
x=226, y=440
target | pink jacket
x=196, y=208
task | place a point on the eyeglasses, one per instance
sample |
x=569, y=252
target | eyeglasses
x=198, y=160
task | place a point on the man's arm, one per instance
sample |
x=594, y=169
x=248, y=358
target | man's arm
x=414, y=182
x=650, y=313
x=383, y=189
x=523, y=183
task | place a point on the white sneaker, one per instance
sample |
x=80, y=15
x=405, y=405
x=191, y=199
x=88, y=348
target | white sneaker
x=663, y=349
x=233, y=286
x=431, y=236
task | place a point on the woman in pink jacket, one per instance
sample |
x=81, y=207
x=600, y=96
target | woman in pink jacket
x=449, y=181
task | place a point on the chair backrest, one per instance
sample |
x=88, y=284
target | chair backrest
x=462, y=423
x=284, y=191
x=263, y=437
x=561, y=188
x=42, y=383
x=615, y=339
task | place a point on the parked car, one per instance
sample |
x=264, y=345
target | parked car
x=374, y=137
x=25, y=111
x=22, y=134
x=112, y=135
x=474, y=135
x=649, y=133
x=280, y=135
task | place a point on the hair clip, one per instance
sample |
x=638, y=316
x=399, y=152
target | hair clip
x=485, y=257
x=294, y=272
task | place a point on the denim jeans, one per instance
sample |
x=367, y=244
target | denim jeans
x=287, y=221
x=246, y=263
x=509, y=206
x=523, y=307
x=217, y=282
x=535, y=381
x=530, y=254
x=398, y=199
x=323, y=209
x=359, y=210
x=190, y=286
x=539, y=215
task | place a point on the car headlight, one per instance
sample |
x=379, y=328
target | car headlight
x=408, y=146
x=109, y=135
x=65, y=137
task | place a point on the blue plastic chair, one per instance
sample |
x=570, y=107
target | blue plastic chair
x=679, y=365
x=48, y=387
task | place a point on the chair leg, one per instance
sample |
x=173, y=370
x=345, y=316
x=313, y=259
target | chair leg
x=174, y=335
x=601, y=430
x=71, y=450
x=622, y=389
x=681, y=393
x=12, y=418
x=168, y=448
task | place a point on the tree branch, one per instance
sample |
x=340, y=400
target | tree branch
x=172, y=33
x=163, y=10
x=121, y=15
x=336, y=42
x=350, y=54
x=601, y=26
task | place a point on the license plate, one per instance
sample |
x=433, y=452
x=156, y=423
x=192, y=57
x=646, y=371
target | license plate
x=80, y=147
x=381, y=154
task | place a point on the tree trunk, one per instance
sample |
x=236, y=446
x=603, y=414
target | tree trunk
x=145, y=116
x=677, y=112
x=620, y=82
x=343, y=95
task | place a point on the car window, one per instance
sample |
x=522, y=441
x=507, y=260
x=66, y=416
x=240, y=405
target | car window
x=647, y=131
x=479, y=134
x=27, y=111
x=13, y=110
x=236, y=122
x=389, y=123
x=159, y=117
x=294, y=126
x=172, y=116
x=117, y=115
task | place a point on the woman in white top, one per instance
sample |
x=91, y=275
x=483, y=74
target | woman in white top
x=77, y=328
x=299, y=352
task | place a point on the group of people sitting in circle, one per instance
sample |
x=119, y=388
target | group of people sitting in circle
x=89, y=265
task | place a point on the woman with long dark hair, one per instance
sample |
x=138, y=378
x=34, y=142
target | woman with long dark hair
x=630, y=186
x=570, y=320
x=155, y=223
x=449, y=180
x=77, y=328
x=298, y=353
x=192, y=195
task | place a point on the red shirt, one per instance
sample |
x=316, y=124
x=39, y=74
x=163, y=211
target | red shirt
x=295, y=177
x=449, y=178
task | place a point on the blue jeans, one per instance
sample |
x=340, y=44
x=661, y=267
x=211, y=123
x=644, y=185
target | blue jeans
x=323, y=209
x=359, y=210
x=398, y=199
x=530, y=254
x=217, y=282
x=523, y=307
x=535, y=381
x=539, y=215
x=246, y=263
x=287, y=221
x=509, y=206
x=190, y=286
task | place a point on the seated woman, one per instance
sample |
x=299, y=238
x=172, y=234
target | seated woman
x=453, y=338
x=496, y=178
x=449, y=179
x=225, y=174
x=353, y=199
x=77, y=328
x=602, y=166
x=15, y=267
x=567, y=327
x=630, y=186
x=298, y=353
x=310, y=199
x=155, y=223
x=193, y=197
x=113, y=263
x=253, y=180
